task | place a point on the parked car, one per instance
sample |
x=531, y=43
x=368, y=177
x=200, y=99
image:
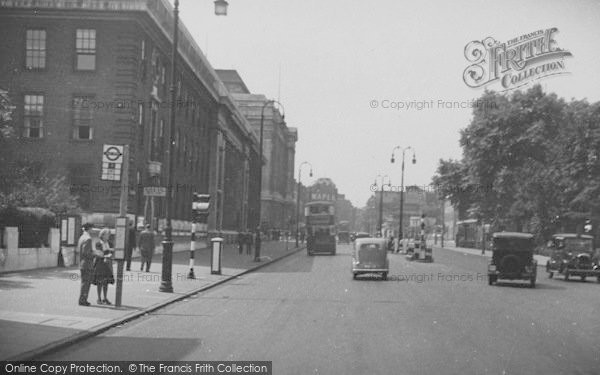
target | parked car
x=512, y=258
x=572, y=255
x=370, y=257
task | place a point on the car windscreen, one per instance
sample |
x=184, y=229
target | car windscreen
x=513, y=244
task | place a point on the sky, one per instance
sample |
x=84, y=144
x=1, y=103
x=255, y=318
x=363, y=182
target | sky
x=338, y=65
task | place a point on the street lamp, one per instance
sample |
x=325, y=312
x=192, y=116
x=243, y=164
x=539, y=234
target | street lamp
x=414, y=160
x=298, y=198
x=262, y=122
x=380, y=221
x=166, y=284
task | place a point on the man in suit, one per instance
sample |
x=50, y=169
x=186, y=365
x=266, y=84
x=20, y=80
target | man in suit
x=146, y=244
x=86, y=264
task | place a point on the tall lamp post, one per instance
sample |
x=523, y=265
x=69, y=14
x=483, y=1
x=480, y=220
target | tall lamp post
x=166, y=285
x=262, y=122
x=380, y=221
x=298, y=198
x=414, y=160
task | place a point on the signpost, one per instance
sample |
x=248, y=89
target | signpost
x=115, y=167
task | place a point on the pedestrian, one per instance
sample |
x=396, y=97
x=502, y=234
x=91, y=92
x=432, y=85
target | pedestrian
x=240, y=242
x=257, y=241
x=86, y=263
x=130, y=245
x=146, y=244
x=248, y=240
x=103, y=269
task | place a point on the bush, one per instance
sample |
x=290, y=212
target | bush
x=34, y=224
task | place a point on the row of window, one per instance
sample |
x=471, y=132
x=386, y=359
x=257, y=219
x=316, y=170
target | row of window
x=85, y=49
x=33, y=117
x=82, y=116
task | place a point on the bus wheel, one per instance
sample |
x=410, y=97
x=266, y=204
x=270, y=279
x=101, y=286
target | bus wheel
x=384, y=276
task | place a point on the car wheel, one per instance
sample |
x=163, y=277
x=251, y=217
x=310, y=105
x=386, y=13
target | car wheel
x=567, y=274
x=532, y=283
x=384, y=276
x=598, y=279
x=491, y=280
x=583, y=278
x=354, y=276
x=550, y=274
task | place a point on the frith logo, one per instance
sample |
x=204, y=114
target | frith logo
x=515, y=63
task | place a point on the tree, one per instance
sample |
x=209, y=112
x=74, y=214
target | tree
x=23, y=183
x=533, y=159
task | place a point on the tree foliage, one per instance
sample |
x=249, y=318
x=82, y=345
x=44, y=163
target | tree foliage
x=534, y=160
x=23, y=183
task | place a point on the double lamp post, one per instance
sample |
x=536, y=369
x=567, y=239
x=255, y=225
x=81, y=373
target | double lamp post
x=414, y=161
x=166, y=284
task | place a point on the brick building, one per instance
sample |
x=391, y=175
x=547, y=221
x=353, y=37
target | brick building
x=84, y=73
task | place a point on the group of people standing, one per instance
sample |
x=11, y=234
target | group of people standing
x=246, y=239
x=96, y=264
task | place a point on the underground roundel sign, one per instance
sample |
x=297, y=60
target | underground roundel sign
x=112, y=154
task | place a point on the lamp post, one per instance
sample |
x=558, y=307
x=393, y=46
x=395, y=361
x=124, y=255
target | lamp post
x=380, y=221
x=298, y=198
x=262, y=122
x=414, y=160
x=166, y=284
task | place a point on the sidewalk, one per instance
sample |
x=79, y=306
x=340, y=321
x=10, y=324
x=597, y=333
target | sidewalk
x=449, y=245
x=39, y=310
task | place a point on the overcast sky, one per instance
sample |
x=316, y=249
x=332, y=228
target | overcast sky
x=338, y=56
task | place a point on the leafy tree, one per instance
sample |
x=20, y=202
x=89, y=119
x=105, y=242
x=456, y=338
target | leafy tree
x=533, y=159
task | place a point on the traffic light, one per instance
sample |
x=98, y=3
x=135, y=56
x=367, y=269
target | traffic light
x=588, y=226
x=200, y=206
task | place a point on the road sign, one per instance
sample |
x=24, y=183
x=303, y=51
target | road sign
x=155, y=191
x=112, y=154
x=112, y=161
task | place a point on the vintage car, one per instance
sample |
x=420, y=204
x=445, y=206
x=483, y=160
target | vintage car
x=512, y=258
x=572, y=255
x=370, y=257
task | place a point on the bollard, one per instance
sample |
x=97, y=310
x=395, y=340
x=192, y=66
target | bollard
x=215, y=255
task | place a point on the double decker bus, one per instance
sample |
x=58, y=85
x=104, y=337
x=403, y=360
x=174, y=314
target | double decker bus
x=320, y=227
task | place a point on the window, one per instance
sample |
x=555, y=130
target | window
x=35, y=49
x=141, y=122
x=143, y=60
x=154, y=132
x=33, y=111
x=82, y=118
x=85, y=46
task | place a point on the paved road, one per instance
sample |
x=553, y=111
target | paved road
x=307, y=315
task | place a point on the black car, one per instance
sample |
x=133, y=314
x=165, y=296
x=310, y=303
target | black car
x=512, y=258
x=573, y=255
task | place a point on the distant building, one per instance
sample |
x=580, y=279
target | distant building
x=278, y=196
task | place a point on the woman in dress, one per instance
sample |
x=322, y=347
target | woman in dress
x=103, y=270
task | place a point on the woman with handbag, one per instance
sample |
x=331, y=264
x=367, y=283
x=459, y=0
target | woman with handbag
x=103, y=270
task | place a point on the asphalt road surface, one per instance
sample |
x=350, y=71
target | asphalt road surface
x=308, y=316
